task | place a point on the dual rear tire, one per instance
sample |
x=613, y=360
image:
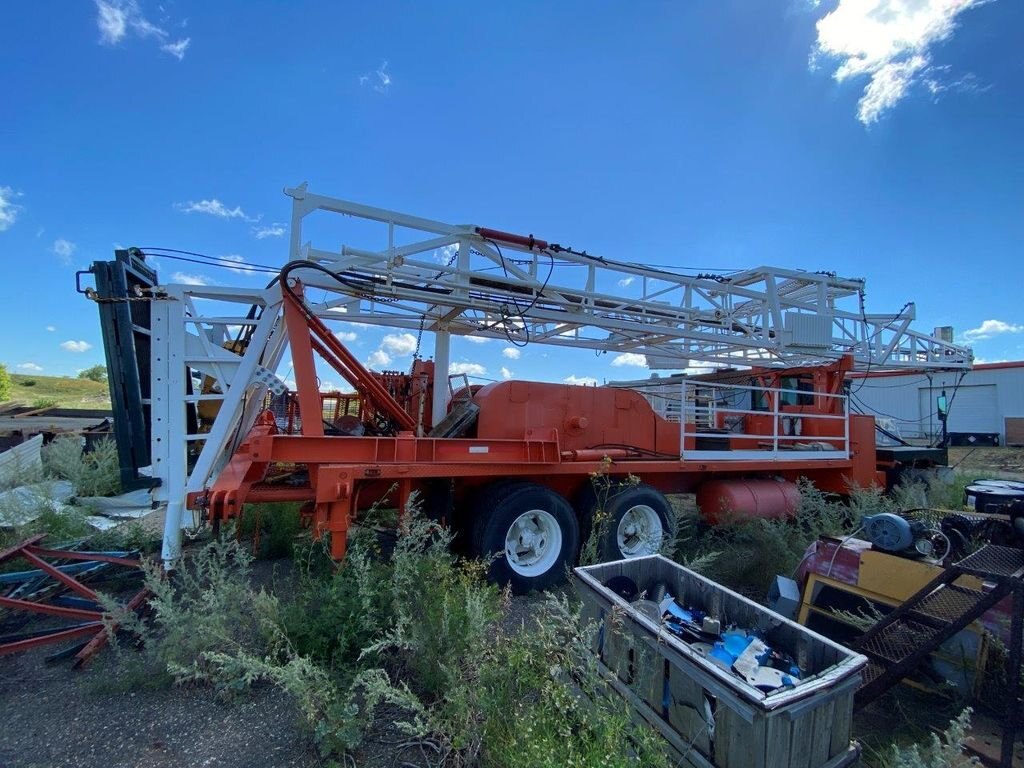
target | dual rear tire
x=532, y=536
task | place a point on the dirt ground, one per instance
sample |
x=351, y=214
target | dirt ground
x=106, y=716
x=55, y=716
x=1005, y=463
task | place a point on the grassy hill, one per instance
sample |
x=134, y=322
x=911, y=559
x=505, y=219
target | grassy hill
x=64, y=391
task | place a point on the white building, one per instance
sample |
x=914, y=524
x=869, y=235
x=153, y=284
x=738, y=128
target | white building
x=987, y=400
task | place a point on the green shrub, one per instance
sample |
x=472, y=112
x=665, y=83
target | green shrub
x=5, y=383
x=336, y=612
x=419, y=631
x=28, y=383
x=21, y=517
x=273, y=527
x=96, y=473
x=44, y=402
x=206, y=608
x=945, y=752
x=747, y=555
x=95, y=373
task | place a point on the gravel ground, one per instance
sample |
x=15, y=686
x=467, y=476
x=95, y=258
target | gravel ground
x=106, y=716
x=57, y=716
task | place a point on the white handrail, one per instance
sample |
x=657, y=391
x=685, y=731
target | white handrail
x=777, y=445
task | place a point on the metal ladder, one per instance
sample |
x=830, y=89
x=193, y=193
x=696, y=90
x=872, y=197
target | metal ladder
x=897, y=644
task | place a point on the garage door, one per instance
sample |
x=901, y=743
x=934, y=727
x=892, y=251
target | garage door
x=974, y=409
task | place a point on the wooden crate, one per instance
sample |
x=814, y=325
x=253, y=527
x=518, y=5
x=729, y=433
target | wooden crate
x=673, y=688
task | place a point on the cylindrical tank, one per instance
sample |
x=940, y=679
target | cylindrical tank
x=729, y=501
x=995, y=499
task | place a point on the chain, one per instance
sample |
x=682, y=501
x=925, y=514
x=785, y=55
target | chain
x=419, y=337
x=91, y=294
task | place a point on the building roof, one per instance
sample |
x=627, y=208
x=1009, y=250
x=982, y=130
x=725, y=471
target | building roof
x=979, y=367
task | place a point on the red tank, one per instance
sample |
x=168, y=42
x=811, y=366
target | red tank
x=730, y=501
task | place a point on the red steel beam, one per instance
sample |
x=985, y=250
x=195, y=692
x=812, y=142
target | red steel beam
x=85, y=556
x=103, y=636
x=54, y=637
x=51, y=610
x=69, y=581
x=10, y=552
x=302, y=326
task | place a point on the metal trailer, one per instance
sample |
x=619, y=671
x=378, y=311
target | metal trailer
x=509, y=464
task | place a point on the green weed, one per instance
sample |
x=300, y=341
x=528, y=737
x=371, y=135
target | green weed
x=95, y=473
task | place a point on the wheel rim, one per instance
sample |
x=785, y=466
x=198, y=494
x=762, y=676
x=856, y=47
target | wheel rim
x=533, y=543
x=640, y=531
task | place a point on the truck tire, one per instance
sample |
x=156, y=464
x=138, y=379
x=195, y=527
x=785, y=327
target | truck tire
x=530, y=531
x=638, y=521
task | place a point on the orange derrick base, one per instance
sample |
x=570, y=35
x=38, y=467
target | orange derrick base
x=552, y=434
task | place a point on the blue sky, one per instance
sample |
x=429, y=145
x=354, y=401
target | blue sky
x=875, y=138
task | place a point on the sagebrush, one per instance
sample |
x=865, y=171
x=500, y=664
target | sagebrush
x=419, y=630
x=92, y=473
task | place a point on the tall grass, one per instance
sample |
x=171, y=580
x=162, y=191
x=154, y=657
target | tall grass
x=420, y=631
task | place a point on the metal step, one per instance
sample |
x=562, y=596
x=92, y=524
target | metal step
x=899, y=641
x=992, y=561
x=946, y=604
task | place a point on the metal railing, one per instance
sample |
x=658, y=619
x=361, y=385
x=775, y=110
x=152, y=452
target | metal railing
x=664, y=397
x=720, y=423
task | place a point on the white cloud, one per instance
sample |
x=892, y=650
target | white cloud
x=64, y=249
x=213, y=207
x=378, y=359
x=234, y=257
x=76, y=346
x=446, y=254
x=8, y=210
x=512, y=353
x=29, y=367
x=583, y=381
x=379, y=79
x=399, y=344
x=626, y=282
x=506, y=373
x=887, y=41
x=476, y=339
x=117, y=19
x=272, y=230
x=112, y=22
x=632, y=359
x=177, y=49
x=346, y=335
x=990, y=328
x=51, y=328
x=187, y=279
x=469, y=369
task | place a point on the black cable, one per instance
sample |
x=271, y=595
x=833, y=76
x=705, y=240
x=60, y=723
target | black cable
x=636, y=448
x=211, y=261
x=857, y=401
x=286, y=270
x=520, y=312
x=864, y=316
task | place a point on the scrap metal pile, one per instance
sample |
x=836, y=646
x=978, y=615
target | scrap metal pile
x=60, y=584
x=741, y=651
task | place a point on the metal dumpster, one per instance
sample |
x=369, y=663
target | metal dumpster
x=708, y=715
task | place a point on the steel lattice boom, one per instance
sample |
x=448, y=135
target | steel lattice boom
x=467, y=280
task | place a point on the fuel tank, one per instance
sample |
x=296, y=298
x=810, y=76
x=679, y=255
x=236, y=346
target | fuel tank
x=728, y=501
